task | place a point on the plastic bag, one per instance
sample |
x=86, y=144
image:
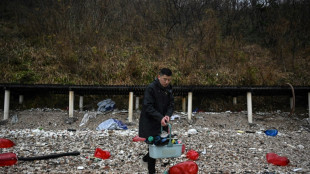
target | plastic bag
x=193, y=155
x=6, y=143
x=87, y=117
x=137, y=138
x=106, y=105
x=8, y=159
x=271, y=132
x=99, y=153
x=187, y=167
x=277, y=160
x=111, y=124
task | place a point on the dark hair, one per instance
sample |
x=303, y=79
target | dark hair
x=165, y=71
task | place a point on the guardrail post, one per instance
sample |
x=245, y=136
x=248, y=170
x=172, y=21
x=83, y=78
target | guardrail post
x=249, y=104
x=21, y=99
x=184, y=104
x=309, y=103
x=6, y=104
x=130, y=108
x=81, y=102
x=234, y=100
x=291, y=102
x=137, y=103
x=189, y=106
x=71, y=103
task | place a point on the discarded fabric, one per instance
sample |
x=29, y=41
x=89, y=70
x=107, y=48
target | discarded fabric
x=112, y=124
x=106, y=105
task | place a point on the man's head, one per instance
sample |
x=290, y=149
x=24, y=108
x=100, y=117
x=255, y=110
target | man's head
x=164, y=77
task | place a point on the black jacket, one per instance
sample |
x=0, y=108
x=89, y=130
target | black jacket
x=157, y=102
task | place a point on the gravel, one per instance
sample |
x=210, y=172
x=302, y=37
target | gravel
x=225, y=141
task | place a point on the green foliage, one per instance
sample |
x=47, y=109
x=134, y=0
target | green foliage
x=127, y=42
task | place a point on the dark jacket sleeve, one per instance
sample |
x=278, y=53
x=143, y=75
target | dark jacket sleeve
x=171, y=105
x=149, y=103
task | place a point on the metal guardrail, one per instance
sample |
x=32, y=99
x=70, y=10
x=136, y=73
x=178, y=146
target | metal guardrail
x=139, y=89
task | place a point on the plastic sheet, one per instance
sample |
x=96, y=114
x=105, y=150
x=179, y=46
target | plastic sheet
x=99, y=153
x=6, y=143
x=106, y=105
x=111, y=124
x=276, y=159
x=187, y=167
x=8, y=159
x=193, y=155
x=271, y=132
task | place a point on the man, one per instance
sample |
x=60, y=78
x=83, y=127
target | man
x=158, y=105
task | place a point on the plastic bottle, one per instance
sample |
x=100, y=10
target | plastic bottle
x=150, y=139
x=271, y=132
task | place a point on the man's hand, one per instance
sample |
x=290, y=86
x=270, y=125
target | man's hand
x=165, y=120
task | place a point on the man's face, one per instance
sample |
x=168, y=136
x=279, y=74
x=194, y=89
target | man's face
x=164, y=80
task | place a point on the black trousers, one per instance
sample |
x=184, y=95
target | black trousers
x=151, y=162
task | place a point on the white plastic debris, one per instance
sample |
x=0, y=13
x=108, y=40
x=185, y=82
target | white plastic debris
x=300, y=146
x=192, y=131
x=174, y=117
x=80, y=167
x=86, y=117
x=204, y=151
x=297, y=169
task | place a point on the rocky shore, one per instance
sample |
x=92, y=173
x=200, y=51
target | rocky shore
x=225, y=141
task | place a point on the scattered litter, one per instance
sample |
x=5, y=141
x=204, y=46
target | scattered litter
x=300, y=146
x=192, y=155
x=271, y=132
x=72, y=130
x=14, y=119
x=80, y=167
x=289, y=145
x=204, y=151
x=174, y=117
x=277, y=160
x=6, y=143
x=111, y=124
x=250, y=132
x=192, y=131
x=86, y=117
x=106, y=105
x=297, y=169
x=99, y=153
x=189, y=167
